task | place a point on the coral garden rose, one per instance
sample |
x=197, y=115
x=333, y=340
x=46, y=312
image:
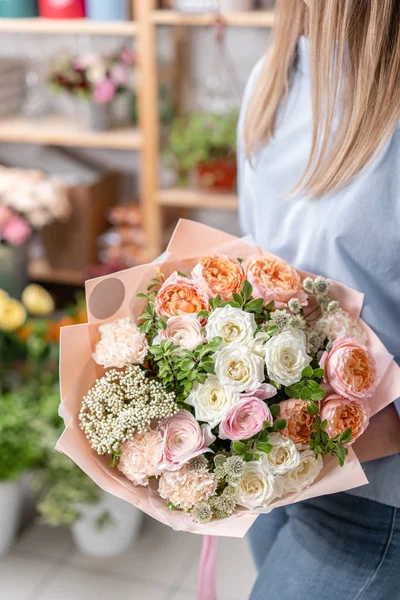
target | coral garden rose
x=283, y=457
x=212, y=400
x=286, y=356
x=350, y=369
x=256, y=487
x=245, y=419
x=343, y=413
x=232, y=325
x=183, y=439
x=122, y=343
x=306, y=472
x=274, y=279
x=140, y=457
x=299, y=424
x=218, y=274
x=180, y=296
x=184, y=331
x=237, y=366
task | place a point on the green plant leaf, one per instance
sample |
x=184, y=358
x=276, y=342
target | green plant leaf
x=264, y=447
x=275, y=410
x=307, y=372
x=312, y=409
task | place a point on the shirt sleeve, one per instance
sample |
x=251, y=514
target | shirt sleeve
x=397, y=405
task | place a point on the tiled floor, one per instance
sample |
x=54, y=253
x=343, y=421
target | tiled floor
x=45, y=565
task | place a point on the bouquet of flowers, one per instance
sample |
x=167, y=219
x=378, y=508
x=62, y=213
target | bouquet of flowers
x=220, y=383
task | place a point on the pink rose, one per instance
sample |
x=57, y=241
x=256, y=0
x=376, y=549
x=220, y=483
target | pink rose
x=264, y=392
x=180, y=296
x=6, y=215
x=274, y=279
x=104, y=92
x=343, y=413
x=350, y=369
x=17, y=231
x=245, y=419
x=183, y=439
x=184, y=331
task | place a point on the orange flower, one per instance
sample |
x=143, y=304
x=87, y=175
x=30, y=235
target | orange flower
x=180, y=296
x=219, y=275
x=342, y=413
x=274, y=279
x=53, y=332
x=299, y=424
x=24, y=333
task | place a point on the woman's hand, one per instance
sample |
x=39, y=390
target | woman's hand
x=382, y=437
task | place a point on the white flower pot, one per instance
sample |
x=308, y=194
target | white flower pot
x=10, y=509
x=226, y=6
x=114, y=538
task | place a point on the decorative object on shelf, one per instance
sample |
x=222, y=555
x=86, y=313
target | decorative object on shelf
x=62, y=9
x=13, y=267
x=195, y=6
x=18, y=9
x=226, y=6
x=13, y=85
x=107, y=10
x=205, y=143
x=124, y=244
x=97, y=81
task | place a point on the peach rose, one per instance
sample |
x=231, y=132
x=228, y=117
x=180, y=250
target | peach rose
x=180, y=296
x=350, y=369
x=343, y=413
x=298, y=422
x=274, y=279
x=218, y=274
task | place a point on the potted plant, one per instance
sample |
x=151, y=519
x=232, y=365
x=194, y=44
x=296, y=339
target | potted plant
x=205, y=143
x=101, y=525
x=96, y=83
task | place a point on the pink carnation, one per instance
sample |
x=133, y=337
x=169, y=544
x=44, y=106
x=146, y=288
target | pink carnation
x=104, y=92
x=6, y=215
x=140, y=457
x=343, y=413
x=245, y=419
x=183, y=439
x=17, y=231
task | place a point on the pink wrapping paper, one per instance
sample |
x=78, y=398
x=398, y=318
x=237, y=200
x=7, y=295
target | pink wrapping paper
x=114, y=296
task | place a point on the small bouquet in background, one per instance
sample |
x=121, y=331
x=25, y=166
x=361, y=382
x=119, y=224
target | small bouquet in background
x=95, y=78
x=220, y=383
x=29, y=200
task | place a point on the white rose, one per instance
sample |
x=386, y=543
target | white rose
x=237, y=366
x=232, y=324
x=286, y=357
x=305, y=473
x=212, y=401
x=283, y=457
x=183, y=330
x=258, y=345
x=257, y=486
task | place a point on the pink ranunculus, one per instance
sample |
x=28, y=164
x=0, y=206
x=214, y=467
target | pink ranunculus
x=264, y=392
x=6, y=215
x=104, y=92
x=350, y=369
x=183, y=439
x=17, y=231
x=343, y=413
x=184, y=331
x=245, y=419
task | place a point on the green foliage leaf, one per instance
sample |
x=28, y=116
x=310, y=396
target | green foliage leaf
x=275, y=410
x=312, y=409
x=239, y=448
x=247, y=290
x=307, y=372
x=264, y=447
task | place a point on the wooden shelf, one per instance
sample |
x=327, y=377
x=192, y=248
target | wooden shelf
x=254, y=18
x=64, y=131
x=68, y=26
x=40, y=271
x=191, y=198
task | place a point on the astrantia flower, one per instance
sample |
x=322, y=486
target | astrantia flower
x=140, y=457
x=232, y=325
x=218, y=274
x=256, y=487
x=121, y=344
x=237, y=366
x=306, y=472
x=202, y=513
x=283, y=457
x=321, y=285
x=286, y=357
x=184, y=331
x=186, y=487
x=212, y=400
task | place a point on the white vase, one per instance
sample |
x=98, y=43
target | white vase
x=227, y=6
x=10, y=510
x=116, y=537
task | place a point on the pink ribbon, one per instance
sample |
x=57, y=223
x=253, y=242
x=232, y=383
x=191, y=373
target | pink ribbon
x=207, y=588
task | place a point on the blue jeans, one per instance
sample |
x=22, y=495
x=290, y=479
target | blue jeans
x=338, y=547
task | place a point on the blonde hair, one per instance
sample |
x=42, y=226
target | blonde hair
x=355, y=74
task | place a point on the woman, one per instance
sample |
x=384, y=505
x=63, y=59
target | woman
x=319, y=154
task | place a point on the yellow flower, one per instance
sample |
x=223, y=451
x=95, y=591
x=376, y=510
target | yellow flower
x=37, y=300
x=4, y=297
x=12, y=315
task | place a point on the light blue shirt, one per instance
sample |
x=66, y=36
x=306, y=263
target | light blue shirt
x=352, y=235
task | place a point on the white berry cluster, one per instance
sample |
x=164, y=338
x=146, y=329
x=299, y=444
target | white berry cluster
x=121, y=404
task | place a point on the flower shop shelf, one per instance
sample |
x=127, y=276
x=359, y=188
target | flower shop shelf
x=68, y=26
x=64, y=131
x=40, y=271
x=192, y=198
x=242, y=19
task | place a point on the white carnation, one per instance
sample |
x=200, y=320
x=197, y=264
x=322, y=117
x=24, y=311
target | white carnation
x=122, y=343
x=258, y=345
x=305, y=473
x=212, y=401
x=237, y=366
x=283, y=457
x=286, y=357
x=232, y=325
x=257, y=486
